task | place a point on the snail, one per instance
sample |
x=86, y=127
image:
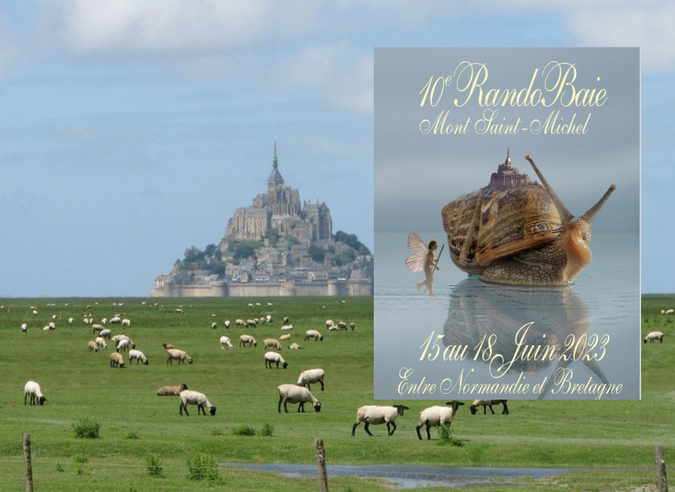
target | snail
x=518, y=232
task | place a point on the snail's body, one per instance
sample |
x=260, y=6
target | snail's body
x=520, y=234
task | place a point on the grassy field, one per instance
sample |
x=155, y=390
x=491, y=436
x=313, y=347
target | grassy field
x=137, y=426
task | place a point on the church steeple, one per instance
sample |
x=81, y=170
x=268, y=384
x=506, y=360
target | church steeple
x=275, y=177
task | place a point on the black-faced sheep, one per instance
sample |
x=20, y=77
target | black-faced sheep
x=247, y=340
x=437, y=415
x=272, y=343
x=311, y=376
x=225, y=342
x=189, y=397
x=171, y=390
x=32, y=389
x=138, y=356
x=116, y=360
x=654, y=335
x=375, y=414
x=292, y=393
x=488, y=404
x=181, y=355
x=313, y=334
x=274, y=357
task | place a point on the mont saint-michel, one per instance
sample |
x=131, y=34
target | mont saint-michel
x=277, y=246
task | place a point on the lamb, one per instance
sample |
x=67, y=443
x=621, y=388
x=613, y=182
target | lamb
x=181, y=355
x=286, y=336
x=295, y=346
x=100, y=341
x=247, y=340
x=311, y=376
x=225, y=342
x=195, y=398
x=36, y=397
x=116, y=360
x=488, y=403
x=272, y=357
x=171, y=390
x=292, y=393
x=437, y=415
x=92, y=347
x=138, y=355
x=654, y=335
x=272, y=343
x=313, y=334
x=375, y=414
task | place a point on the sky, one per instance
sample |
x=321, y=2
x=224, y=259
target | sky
x=131, y=130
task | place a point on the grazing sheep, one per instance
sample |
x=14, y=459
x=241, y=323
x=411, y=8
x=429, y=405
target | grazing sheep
x=437, y=415
x=311, y=376
x=342, y=325
x=92, y=347
x=333, y=328
x=96, y=328
x=225, y=342
x=272, y=357
x=240, y=323
x=329, y=323
x=488, y=403
x=214, y=325
x=287, y=320
x=115, y=320
x=313, y=334
x=286, y=336
x=100, y=341
x=252, y=323
x=124, y=345
x=376, y=414
x=670, y=311
x=33, y=389
x=116, y=360
x=654, y=335
x=247, y=340
x=126, y=322
x=168, y=346
x=107, y=333
x=227, y=323
x=195, y=398
x=171, y=390
x=287, y=328
x=179, y=311
x=272, y=343
x=268, y=319
x=181, y=355
x=292, y=393
x=352, y=326
x=24, y=327
x=48, y=328
x=139, y=356
x=295, y=346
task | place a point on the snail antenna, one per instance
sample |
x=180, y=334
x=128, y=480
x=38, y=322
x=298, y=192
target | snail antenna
x=589, y=216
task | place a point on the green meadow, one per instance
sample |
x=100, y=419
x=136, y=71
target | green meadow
x=145, y=445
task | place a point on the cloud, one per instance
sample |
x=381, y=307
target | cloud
x=343, y=74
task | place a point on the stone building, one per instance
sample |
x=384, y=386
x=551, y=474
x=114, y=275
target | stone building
x=508, y=176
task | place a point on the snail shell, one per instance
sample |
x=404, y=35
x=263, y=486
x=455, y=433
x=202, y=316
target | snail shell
x=510, y=215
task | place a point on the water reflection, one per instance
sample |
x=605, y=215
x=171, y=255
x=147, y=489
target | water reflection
x=530, y=327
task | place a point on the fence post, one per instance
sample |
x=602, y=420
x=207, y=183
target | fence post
x=321, y=465
x=29, y=466
x=661, y=478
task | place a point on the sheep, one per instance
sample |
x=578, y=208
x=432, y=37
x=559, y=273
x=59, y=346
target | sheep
x=115, y=320
x=168, y=346
x=287, y=336
x=437, y=415
x=96, y=328
x=171, y=390
x=139, y=356
x=48, y=328
x=214, y=325
x=247, y=340
x=488, y=403
x=70, y=320
x=251, y=323
x=272, y=357
x=292, y=393
x=329, y=323
x=272, y=343
x=225, y=342
x=195, y=398
x=287, y=328
x=352, y=326
x=313, y=334
x=92, y=347
x=106, y=333
x=268, y=319
x=36, y=397
x=126, y=322
x=287, y=320
x=100, y=341
x=332, y=328
x=179, y=311
x=294, y=346
x=311, y=376
x=376, y=414
x=227, y=323
x=240, y=323
x=342, y=325
x=181, y=355
x=670, y=311
x=124, y=345
x=24, y=328
x=116, y=360
x=654, y=335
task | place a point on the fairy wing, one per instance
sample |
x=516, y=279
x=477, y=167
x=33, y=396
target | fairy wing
x=416, y=262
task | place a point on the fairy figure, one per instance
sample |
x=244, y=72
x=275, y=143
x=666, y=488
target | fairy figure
x=423, y=259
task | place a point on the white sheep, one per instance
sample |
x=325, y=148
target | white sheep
x=36, y=397
x=342, y=325
x=92, y=347
x=181, y=355
x=106, y=333
x=272, y=357
x=488, y=403
x=654, y=335
x=272, y=343
x=24, y=327
x=214, y=325
x=124, y=345
x=286, y=336
x=295, y=346
x=247, y=340
x=376, y=414
x=313, y=334
x=138, y=355
x=115, y=320
x=329, y=323
x=126, y=322
x=287, y=320
x=437, y=415
x=227, y=323
x=287, y=328
x=171, y=390
x=195, y=398
x=96, y=328
x=268, y=319
x=225, y=342
x=116, y=360
x=240, y=323
x=100, y=341
x=311, y=376
x=292, y=393
x=168, y=346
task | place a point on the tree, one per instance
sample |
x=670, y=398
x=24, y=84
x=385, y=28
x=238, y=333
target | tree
x=210, y=252
x=273, y=235
x=193, y=255
x=353, y=241
x=316, y=252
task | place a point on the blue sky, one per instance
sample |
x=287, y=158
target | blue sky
x=131, y=129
